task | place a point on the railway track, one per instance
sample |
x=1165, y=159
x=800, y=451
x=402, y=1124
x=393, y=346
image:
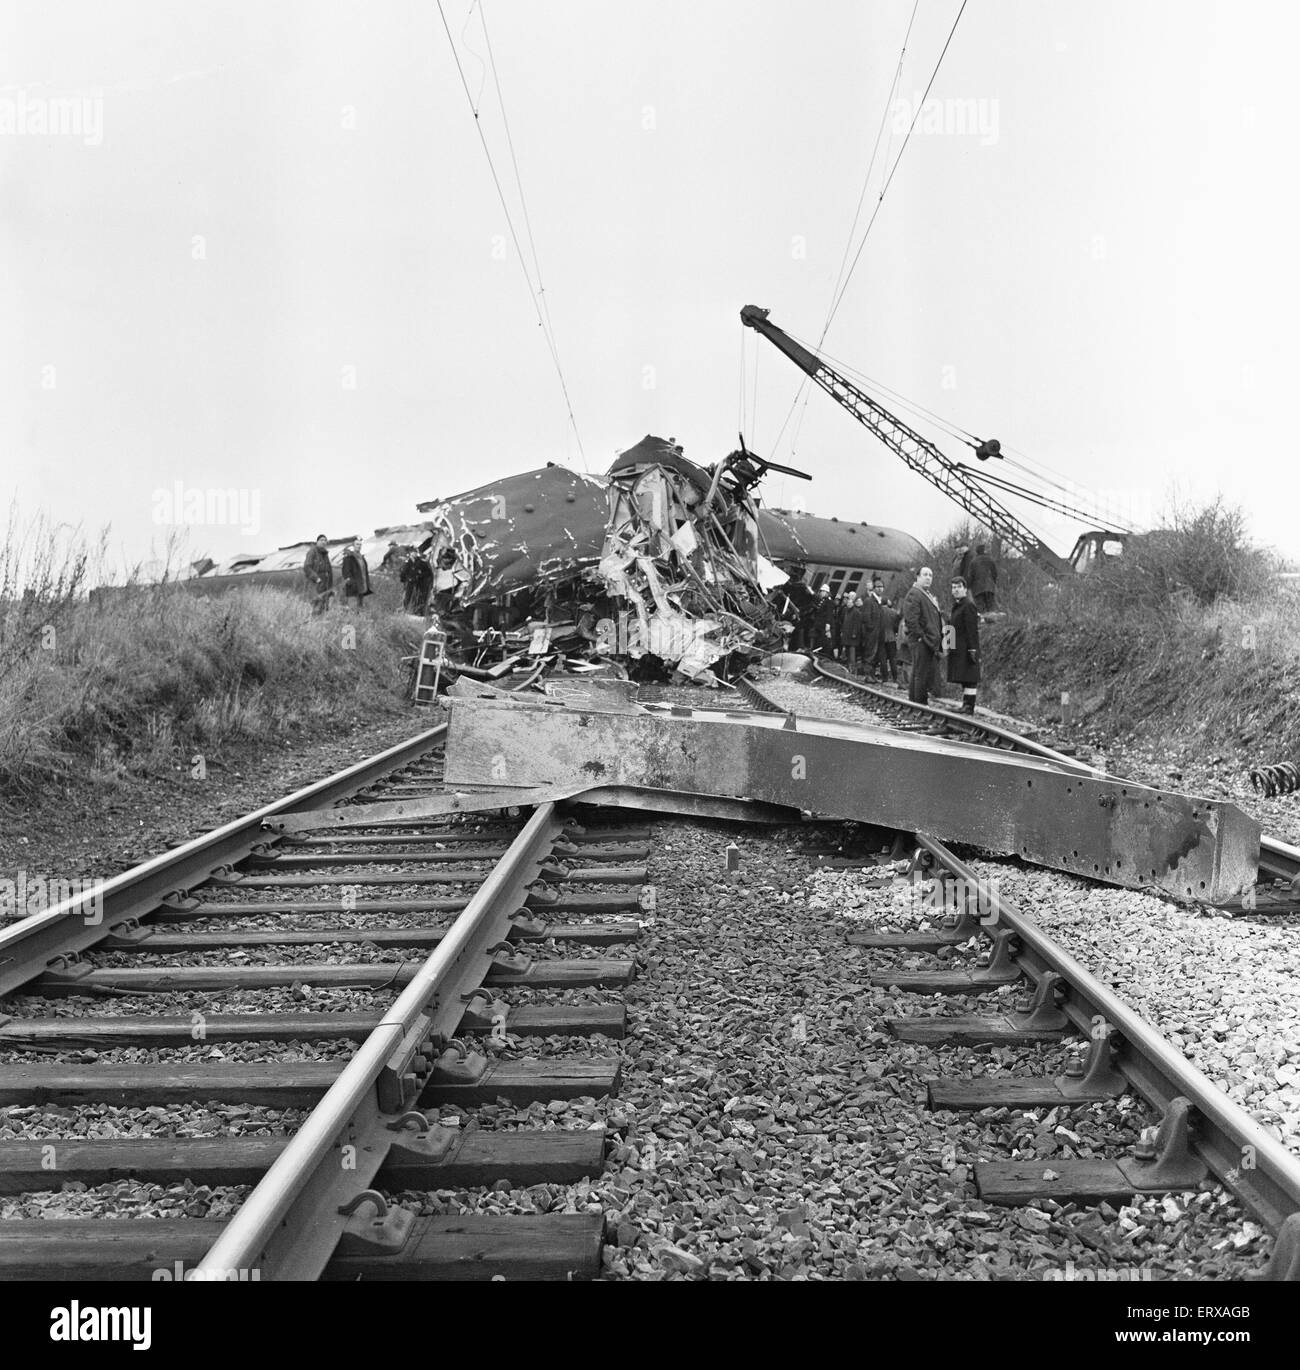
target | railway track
x=1201, y=1131
x=1279, y=861
x=289, y=1031
x=284, y=1050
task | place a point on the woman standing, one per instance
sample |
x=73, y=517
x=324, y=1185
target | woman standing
x=964, y=656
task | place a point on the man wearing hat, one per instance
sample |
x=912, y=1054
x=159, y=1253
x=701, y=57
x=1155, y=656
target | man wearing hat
x=822, y=637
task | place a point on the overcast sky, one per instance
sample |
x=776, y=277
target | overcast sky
x=271, y=256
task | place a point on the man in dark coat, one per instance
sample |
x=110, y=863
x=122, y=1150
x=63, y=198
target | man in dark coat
x=356, y=575
x=924, y=623
x=883, y=661
x=319, y=574
x=416, y=576
x=799, y=600
x=964, y=654
x=982, y=578
x=821, y=640
x=851, y=636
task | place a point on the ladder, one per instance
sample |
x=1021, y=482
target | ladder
x=428, y=671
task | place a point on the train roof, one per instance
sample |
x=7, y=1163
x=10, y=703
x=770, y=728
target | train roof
x=786, y=536
x=518, y=530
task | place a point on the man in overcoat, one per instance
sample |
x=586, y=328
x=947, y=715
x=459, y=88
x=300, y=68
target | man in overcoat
x=964, y=655
x=319, y=574
x=924, y=622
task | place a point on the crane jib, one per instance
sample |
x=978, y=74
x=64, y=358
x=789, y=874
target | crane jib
x=916, y=450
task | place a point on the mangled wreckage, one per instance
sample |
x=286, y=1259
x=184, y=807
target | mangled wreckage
x=660, y=564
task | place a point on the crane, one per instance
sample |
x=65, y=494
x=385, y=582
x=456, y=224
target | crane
x=962, y=484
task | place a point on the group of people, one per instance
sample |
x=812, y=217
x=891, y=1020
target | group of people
x=318, y=570
x=873, y=638
x=857, y=629
x=933, y=640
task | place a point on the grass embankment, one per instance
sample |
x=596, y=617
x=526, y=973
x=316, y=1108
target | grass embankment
x=1190, y=634
x=150, y=677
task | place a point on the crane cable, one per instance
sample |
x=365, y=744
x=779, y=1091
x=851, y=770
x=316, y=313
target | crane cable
x=1081, y=496
x=906, y=139
x=541, y=309
x=848, y=242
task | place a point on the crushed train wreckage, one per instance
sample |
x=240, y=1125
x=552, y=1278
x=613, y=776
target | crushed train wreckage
x=662, y=564
x=667, y=549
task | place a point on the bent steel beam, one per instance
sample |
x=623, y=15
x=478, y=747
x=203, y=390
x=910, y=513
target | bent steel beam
x=1110, y=830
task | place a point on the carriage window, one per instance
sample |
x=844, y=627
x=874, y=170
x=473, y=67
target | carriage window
x=817, y=580
x=837, y=578
x=854, y=581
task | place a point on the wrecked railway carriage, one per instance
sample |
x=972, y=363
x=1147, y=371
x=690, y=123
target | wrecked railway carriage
x=678, y=557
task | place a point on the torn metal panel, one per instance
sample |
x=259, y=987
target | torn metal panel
x=681, y=549
x=519, y=531
x=1118, y=832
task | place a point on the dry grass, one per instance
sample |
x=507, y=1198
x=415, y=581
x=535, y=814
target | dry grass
x=151, y=674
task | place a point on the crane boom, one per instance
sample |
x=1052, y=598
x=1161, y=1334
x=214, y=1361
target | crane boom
x=961, y=486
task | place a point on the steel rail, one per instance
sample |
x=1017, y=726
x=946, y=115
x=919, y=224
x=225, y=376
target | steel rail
x=1263, y=1173
x=78, y=922
x=28, y=945
x=262, y=1234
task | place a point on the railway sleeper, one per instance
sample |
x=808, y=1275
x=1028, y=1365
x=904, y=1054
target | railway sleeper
x=507, y=969
x=547, y=1246
x=524, y=929
x=1087, y=1079
x=443, y=1158
x=1162, y=1161
x=183, y=1030
x=297, y=1084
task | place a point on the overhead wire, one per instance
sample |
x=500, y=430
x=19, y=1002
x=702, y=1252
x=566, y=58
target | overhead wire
x=889, y=180
x=536, y=295
x=842, y=286
x=853, y=227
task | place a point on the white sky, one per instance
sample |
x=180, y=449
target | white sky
x=1107, y=284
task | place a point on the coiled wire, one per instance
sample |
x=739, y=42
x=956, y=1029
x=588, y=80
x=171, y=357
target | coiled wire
x=1271, y=781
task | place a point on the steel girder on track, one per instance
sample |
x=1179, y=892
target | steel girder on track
x=1116, y=831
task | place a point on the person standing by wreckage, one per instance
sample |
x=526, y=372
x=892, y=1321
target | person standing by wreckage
x=964, y=654
x=319, y=574
x=793, y=601
x=416, y=576
x=444, y=582
x=982, y=578
x=924, y=623
x=851, y=635
x=822, y=638
x=884, y=664
x=356, y=575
